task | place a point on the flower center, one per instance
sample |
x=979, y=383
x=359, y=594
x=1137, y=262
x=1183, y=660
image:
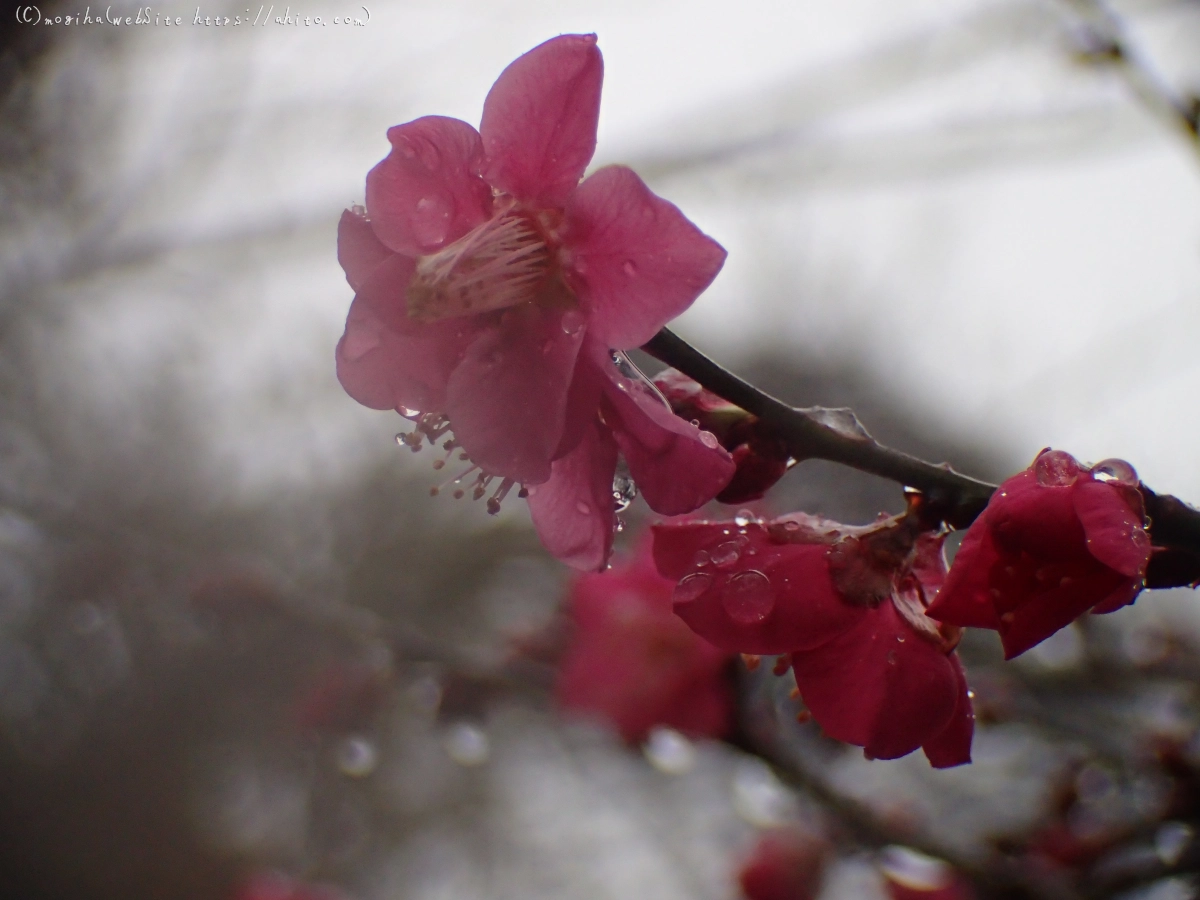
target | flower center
x=500, y=263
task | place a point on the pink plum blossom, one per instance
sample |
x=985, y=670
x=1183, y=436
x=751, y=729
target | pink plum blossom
x=492, y=287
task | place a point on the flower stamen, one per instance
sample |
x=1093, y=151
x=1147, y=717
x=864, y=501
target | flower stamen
x=501, y=263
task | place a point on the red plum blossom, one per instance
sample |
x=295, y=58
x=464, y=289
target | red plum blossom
x=492, y=287
x=1056, y=541
x=848, y=605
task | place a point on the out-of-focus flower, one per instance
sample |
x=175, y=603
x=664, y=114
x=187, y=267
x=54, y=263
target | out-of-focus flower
x=785, y=864
x=277, y=886
x=1055, y=541
x=491, y=287
x=632, y=662
x=848, y=605
x=910, y=875
x=761, y=458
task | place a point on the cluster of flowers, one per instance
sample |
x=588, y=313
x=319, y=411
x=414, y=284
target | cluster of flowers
x=495, y=294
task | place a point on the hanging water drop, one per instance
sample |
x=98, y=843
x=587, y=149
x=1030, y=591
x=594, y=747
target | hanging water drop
x=623, y=489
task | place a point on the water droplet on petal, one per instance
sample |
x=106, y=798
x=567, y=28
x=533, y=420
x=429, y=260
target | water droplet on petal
x=744, y=517
x=1115, y=470
x=1054, y=468
x=701, y=558
x=408, y=413
x=692, y=587
x=583, y=508
x=573, y=321
x=629, y=268
x=748, y=597
x=709, y=440
x=726, y=554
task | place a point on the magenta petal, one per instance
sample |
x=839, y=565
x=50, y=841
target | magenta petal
x=384, y=361
x=793, y=605
x=583, y=399
x=878, y=685
x=676, y=468
x=359, y=250
x=507, y=399
x=539, y=120
x=1124, y=594
x=573, y=510
x=426, y=192
x=1115, y=534
x=952, y=745
x=634, y=259
x=965, y=598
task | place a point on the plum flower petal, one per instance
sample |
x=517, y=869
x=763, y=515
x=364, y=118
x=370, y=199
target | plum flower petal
x=360, y=252
x=426, y=192
x=952, y=745
x=1116, y=532
x=384, y=361
x=804, y=609
x=573, y=511
x=1056, y=541
x=635, y=259
x=539, y=120
x=507, y=397
x=677, y=467
x=879, y=685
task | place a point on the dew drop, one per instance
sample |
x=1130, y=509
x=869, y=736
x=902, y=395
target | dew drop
x=1115, y=470
x=408, y=413
x=701, y=558
x=583, y=508
x=709, y=440
x=629, y=268
x=1054, y=468
x=744, y=517
x=692, y=587
x=726, y=554
x=572, y=321
x=748, y=598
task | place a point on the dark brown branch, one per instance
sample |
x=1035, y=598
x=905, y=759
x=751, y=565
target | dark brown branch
x=953, y=497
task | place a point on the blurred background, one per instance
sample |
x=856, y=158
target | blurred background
x=244, y=654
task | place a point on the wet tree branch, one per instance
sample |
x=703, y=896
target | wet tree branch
x=953, y=498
